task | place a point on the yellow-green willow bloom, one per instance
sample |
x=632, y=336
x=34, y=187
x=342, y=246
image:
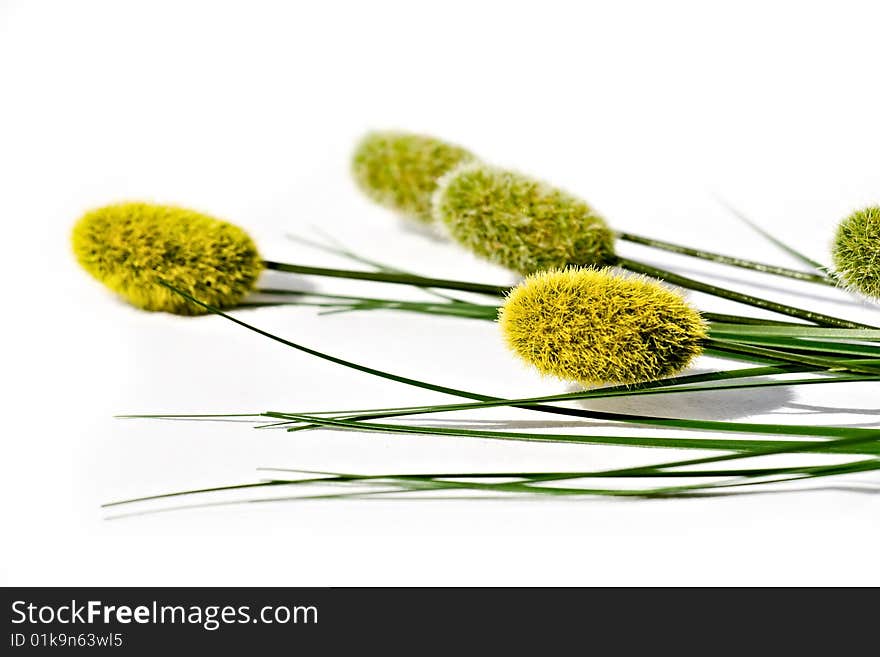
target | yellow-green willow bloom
x=518, y=222
x=528, y=226
x=598, y=326
x=856, y=251
x=130, y=247
x=400, y=170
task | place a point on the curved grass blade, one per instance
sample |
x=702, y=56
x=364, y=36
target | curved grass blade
x=818, y=266
x=651, y=470
x=490, y=400
x=339, y=249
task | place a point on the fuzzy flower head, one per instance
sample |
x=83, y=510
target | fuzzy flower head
x=598, y=326
x=400, y=170
x=856, y=251
x=520, y=223
x=129, y=247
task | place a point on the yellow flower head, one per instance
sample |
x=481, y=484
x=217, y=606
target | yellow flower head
x=129, y=247
x=520, y=223
x=400, y=170
x=856, y=251
x=598, y=326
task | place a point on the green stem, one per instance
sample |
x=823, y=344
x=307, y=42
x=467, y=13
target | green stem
x=440, y=481
x=728, y=260
x=667, y=386
x=531, y=403
x=765, y=304
x=818, y=266
x=735, y=331
x=740, y=319
x=717, y=317
x=487, y=400
x=390, y=277
x=500, y=290
x=465, y=308
x=340, y=250
x=684, y=383
x=864, y=366
x=351, y=303
x=722, y=444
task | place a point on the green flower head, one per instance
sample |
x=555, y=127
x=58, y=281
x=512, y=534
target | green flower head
x=520, y=223
x=856, y=251
x=129, y=247
x=597, y=326
x=400, y=170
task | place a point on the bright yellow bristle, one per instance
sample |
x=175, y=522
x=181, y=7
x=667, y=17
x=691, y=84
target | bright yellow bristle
x=130, y=247
x=598, y=326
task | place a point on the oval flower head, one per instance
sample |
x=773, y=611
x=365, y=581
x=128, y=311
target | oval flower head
x=520, y=223
x=598, y=326
x=400, y=170
x=856, y=251
x=129, y=247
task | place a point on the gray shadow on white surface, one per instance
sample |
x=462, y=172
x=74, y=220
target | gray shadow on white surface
x=704, y=405
x=280, y=280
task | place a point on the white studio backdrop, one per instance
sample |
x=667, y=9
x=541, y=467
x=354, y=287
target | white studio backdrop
x=249, y=111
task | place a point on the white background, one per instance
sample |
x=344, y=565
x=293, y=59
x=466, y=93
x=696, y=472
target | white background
x=248, y=111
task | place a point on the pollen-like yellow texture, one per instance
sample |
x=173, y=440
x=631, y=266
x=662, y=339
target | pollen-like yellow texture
x=130, y=247
x=597, y=326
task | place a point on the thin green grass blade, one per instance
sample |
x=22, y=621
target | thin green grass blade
x=872, y=436
x=723, y=318
x=486, y=399
x=735, y=445
x=633, y=389
x=733, y=261
x=620, y=391
x=823, y=346
x=343, y=303
x=811, y=471
x=747, y=299
x=787, y=248
x=462, y=308
x=774, y=429
x=442, y=481
x=341, y=250
x=737, y=331
x=389, y=277
x=867, y=366
x=337, y=248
